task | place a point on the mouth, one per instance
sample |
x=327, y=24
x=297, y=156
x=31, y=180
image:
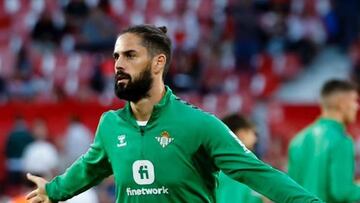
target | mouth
x=123, y=80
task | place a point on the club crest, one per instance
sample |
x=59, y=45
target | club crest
x=164, y=139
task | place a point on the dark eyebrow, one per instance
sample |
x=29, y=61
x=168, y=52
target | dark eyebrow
x=116, y=54
x=129, y=52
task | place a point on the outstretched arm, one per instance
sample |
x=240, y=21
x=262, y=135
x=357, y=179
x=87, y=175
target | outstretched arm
x=232, y=157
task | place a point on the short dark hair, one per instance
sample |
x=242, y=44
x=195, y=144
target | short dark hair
x=237, y=122
x=335, y=85
x=154, y=39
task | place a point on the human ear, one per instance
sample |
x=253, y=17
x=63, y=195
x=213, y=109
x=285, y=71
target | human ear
x=159, y=62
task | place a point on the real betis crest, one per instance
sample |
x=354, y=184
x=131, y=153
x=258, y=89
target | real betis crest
x=164, y=139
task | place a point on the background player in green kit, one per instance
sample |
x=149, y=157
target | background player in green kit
x=229, y=190
x=159, y=148
x=321, y=157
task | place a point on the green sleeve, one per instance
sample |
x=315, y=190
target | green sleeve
x=231, y=156
x=342, y=186
x=229, y=190
x=87, y=171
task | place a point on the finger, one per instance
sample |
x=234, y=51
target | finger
x=36, y=199
x=31, y=194
x=47, y=200
x=32, y=178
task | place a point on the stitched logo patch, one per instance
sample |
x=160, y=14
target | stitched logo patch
x=164, y=139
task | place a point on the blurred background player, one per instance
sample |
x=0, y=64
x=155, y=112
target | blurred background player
x=18, y=139
x=321, y=157
x=228, y=189
x=40, y=157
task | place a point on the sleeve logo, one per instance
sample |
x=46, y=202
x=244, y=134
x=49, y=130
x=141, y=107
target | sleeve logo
x=122, y=141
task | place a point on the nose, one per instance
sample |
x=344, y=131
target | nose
x=118, y=66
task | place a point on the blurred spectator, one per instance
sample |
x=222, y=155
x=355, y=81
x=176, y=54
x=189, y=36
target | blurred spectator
x=23, y=66
x=21, y=89
x=18, y=139
x=98, y=80
x=347, y=12
x=41, y=157
x=211, y=77
x=246, y=42
x=77, y=140
x=77, y=9
x=186, y=70
x=98, y=32
x=21, y=86
x=325, y=9
x=306, y=32
x=354, y=54
x=272, y=27
x=76, y=12
x=46, y=33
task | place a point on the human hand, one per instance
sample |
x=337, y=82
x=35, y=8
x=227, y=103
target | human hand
x=39, y=194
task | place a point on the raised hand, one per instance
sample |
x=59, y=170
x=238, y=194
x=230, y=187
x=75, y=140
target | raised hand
x=39, y=194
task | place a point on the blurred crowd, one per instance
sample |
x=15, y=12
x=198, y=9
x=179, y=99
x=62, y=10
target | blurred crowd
x=242, y=50
x=54, y=50
x=31, y=149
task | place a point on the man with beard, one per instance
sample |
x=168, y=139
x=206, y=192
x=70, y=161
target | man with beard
x=159, y=148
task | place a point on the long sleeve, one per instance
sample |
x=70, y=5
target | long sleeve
x=342, y=186
x=87, y=171
x=231, y=156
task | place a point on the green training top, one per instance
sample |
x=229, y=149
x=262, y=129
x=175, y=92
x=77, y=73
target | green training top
x=174, y=158
x=231, y=191
x=321, y=158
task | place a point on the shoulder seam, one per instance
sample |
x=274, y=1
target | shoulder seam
x=192, y=106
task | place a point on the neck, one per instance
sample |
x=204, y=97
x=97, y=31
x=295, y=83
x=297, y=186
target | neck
x=333, y=115
x=144, y=107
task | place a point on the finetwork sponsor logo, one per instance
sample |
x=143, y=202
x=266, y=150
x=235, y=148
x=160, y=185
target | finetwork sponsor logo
x=147, y=191
x=143, y=172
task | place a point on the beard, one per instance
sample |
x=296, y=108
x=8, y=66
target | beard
x=137, y=88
